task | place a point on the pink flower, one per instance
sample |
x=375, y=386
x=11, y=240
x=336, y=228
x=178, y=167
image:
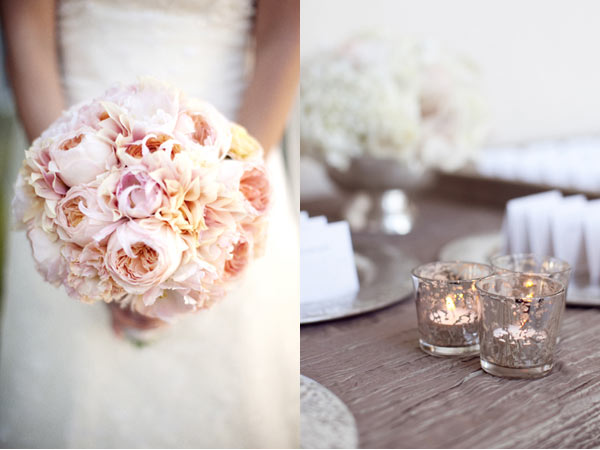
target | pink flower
x=142, y=254
x=256, y=188
x=240, y=256
x=81, y=156
x=80, y=217
x=26, y=205
x=141, y=151
x=88, y=279
x=36, y=169
x=138, y=194
x=203, y=125
x=147, y=107
x=46, y=254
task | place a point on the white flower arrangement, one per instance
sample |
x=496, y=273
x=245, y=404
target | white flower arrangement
x=392, y=99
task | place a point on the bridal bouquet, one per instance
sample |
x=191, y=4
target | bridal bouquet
x=392, y=99
x=145, y=198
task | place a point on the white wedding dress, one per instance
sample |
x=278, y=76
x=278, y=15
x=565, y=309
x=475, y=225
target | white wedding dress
x=226, y=377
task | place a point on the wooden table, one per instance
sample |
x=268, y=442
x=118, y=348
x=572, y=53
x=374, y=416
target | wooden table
x=402, y=397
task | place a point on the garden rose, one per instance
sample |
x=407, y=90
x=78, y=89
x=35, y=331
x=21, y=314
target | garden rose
x=80, y=157
x=142, y=254
x=254, y=184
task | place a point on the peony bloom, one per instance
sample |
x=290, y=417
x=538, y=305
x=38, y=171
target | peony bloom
x=142, y=254
x=80, y=217
x=138, y=194
x=46, y=254
x=80, y=157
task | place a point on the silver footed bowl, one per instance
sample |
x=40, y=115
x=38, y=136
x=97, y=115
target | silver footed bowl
x=379, y=193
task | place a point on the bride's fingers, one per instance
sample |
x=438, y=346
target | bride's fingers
x=122, y=318
x=116, y=326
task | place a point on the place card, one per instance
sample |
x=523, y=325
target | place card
x=327, y=267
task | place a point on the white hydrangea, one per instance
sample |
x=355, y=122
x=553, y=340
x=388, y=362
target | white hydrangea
x=391, y=99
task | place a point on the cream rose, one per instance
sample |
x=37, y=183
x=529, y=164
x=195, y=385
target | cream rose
x=142, y=254
x=80, y=157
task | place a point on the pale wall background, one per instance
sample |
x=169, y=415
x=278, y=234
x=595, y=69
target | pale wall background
x=540, y=59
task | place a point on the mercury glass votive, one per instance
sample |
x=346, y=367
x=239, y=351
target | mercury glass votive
x=520, y=318
x=531, y=263
x=448, y=311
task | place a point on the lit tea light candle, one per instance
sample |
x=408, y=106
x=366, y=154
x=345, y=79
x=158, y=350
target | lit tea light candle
x=452, y=315
x=448, y=307
x=517, y=334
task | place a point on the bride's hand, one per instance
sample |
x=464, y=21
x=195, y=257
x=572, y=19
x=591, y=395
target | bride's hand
x=123, y=318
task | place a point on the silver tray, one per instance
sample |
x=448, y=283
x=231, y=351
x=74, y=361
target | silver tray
x=480, y=247
x=384, y=276
x=325, y=421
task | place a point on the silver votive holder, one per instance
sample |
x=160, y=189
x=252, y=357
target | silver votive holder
x=448, y=311
x=530, y=263
x=520, y=318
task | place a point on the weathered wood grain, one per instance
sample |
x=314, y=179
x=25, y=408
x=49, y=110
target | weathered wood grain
x=402, y=397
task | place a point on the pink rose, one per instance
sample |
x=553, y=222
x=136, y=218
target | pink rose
x=141, y=254
x=138, y=194
x=256, y=188
x=80, y=217
x=82, y=156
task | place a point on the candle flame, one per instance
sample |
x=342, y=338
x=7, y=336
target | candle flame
x=529, y=283
x=450, y=306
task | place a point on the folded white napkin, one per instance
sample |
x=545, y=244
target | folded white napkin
x=572, y=162
x=327, y=267
x=527, y=222
x=567, y=228
x=549, y=224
